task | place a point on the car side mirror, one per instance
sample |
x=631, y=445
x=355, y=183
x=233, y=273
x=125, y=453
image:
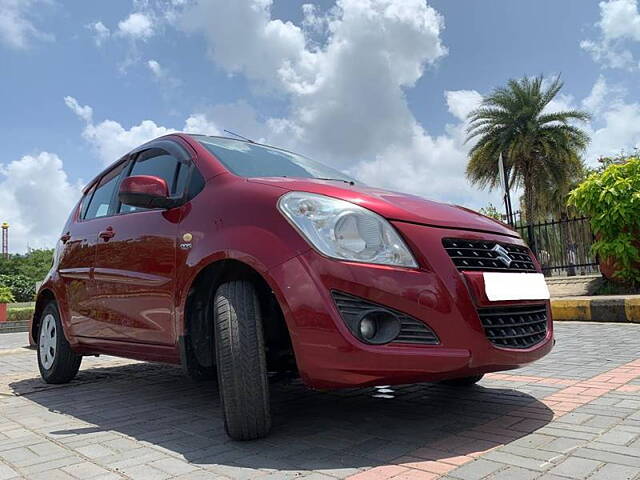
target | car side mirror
x=145, y=191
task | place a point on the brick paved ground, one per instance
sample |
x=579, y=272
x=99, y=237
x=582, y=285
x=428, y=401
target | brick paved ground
x=575, y=414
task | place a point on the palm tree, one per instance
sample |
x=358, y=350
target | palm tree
x=541, y=148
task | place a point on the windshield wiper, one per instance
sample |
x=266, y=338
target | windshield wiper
x=350, y=182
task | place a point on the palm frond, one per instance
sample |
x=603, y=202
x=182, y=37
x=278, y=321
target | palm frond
x=541, y=149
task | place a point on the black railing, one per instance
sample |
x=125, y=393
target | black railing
x=563, y=247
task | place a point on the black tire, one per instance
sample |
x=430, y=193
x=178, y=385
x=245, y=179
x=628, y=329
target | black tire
x=463, y=382
x=242, y=371
x=66, y=362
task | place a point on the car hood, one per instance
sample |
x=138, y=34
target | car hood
x=395, y=205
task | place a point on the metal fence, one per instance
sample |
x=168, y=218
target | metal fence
x=563, y=247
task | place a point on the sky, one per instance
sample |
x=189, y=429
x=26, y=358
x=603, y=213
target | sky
x=377, y=88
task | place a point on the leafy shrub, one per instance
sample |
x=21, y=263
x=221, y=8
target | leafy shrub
x=5, y=294
x=611, y=199
x=19, y=314
x=22, y=287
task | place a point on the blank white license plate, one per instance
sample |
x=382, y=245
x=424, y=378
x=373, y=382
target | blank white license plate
x=515, y=286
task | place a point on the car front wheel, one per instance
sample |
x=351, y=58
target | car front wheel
x=240, y=354
x=56, y=361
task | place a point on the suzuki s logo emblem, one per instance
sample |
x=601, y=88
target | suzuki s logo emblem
x=502, y=255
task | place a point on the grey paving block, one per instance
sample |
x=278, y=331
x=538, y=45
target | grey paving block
x=85, y=470
x=515, y=473
x=612, y=471
x=7, y=472
x=608, y=457
x=476, y=469
x=517, y=460
x=563, y=445
x=145, y=472
x=574, y=467
x=618, y=437
x=201, y=475
x=173, y=466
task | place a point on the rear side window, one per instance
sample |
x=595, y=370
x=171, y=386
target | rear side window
x=100, y=204
x=85, y=201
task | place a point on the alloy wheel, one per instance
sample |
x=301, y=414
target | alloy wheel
x=48, y=341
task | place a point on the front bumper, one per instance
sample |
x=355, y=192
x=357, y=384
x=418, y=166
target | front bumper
x=329, y=356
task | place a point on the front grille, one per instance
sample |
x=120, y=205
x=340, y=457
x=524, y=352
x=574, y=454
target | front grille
x=482, y=255
x=412, y=330
x=515, y=327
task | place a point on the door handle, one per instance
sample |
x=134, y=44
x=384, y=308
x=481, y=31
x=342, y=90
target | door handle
x=107, y=234
x=66, y=237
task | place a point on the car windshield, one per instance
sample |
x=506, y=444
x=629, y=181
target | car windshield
x=252, y=160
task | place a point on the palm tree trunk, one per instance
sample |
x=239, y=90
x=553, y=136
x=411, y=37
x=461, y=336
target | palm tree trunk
x=529, y=196
x=529, y=206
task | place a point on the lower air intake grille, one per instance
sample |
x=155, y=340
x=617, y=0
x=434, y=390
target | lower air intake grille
x=515, y=327
x=353, y=309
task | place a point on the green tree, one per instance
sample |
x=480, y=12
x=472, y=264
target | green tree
x=34, y=264
x=20, y=272
x=541, y=149
x=491, y=211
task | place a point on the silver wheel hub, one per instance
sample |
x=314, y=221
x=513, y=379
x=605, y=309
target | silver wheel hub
x=48, y=341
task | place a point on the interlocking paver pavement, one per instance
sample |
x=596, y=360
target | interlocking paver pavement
x=575, y=414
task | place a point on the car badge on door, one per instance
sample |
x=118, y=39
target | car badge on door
x=502, y=255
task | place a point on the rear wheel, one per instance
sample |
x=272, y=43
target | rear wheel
x=56, y=361
x=240, y=354
x=463, y=382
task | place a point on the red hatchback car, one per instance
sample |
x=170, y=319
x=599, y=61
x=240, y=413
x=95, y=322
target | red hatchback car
x=237, y=259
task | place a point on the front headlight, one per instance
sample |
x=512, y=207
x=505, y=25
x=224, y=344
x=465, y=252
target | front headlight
x=344, y=230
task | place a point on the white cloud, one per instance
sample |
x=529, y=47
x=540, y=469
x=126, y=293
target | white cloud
x=619, y=26
x=137, y=26
x=35, y=198
x=595, y=101
x=84, y=112
x=347, y=98
x=16, y=27
x=615, y=124
x=312, y=20
x=100, y=32
x=620, y=19
x=162, y=76
x=462, y=102
x=199, y=123
x=346, y=94
x=620, y=132
x=156, y=69
x=111, y=140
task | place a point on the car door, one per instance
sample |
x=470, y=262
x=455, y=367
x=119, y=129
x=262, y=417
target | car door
x=135, y=266
x=77, y=252
x=76, y=262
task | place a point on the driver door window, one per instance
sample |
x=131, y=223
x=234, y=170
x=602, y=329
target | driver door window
x=160, y=164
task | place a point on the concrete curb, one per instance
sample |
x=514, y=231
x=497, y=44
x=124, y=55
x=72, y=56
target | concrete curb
x=612, y=308
x=14, y=327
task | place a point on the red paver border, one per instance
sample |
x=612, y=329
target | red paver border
x=438, y=458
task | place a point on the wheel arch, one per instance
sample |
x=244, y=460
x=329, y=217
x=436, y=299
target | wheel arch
x=198, y=341
x=45, y=296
